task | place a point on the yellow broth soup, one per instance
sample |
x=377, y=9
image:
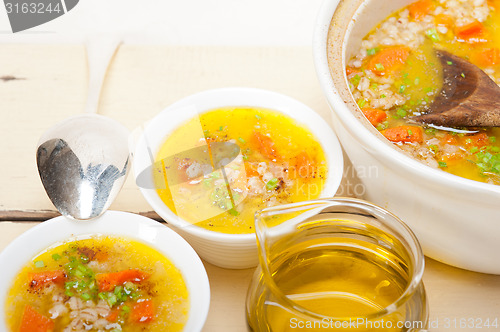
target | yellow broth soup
x=396, y=75
x=271, y=159
x=98, y=284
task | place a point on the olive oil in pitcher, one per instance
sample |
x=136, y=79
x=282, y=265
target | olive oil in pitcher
x=335, y=271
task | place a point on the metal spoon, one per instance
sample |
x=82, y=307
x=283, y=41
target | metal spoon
x=84, y=160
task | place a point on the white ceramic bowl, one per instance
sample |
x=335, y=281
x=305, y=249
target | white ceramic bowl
x=456, y=220
x=229, y=250
x=29, y=244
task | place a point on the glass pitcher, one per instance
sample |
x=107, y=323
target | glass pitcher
x=338, y=264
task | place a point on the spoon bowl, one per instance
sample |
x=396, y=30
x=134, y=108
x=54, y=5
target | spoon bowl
x=469, y=97
x=83, y=163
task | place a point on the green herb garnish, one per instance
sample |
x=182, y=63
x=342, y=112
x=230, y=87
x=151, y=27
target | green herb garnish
x=361, y=103
x=379, y=67
x=271, y=184
x=39, y=264
x=401, y=112
x=355, y=80
x=433, y=35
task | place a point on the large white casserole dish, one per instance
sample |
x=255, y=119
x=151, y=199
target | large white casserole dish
x=456, y=220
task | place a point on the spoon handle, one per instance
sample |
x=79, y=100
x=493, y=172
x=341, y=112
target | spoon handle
x=100, y=51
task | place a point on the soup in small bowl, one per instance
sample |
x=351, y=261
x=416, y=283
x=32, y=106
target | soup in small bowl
x=207, y=163
x=121, y=272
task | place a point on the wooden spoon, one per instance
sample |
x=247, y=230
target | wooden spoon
x=469, y=97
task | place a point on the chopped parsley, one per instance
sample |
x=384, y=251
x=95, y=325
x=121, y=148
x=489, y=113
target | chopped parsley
x=433, y=35
x=488, y=162
x=401, y=112
x=355, y=80
x=271, y=184
x=379, y=67
x=361, y=103
x=39, y=264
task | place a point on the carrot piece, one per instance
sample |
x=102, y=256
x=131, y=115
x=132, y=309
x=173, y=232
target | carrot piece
x=40, y=279
x=388, y=60
x=113, y=315
x=449, y=139
x=478, y=140
x=470, y=31
x=265, y=146
x=33, y=321
x=143, y=311
x=488, y=57
x=304, y=165
x=444, y=20
x=404, y=134
x=420, y=8
x=374, y=115
x=251, y=170
x=349, y=71
x=108, y=281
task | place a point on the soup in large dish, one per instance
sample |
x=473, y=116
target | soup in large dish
x=455, y=218
x=395, y=75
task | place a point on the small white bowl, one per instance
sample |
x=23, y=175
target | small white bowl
x=115, y=223
x=235, y=251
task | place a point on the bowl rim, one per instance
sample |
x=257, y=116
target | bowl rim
x=252, y=97
x=113, y=223
x=392, y=158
